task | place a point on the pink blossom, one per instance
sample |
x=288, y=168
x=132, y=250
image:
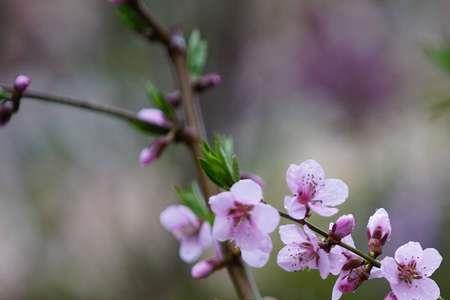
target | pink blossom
x=193, y=234
x=302, y=251
x=311, y=191
x=154, y=116
x=409, y=270
x=343, y=226
x=243, y=218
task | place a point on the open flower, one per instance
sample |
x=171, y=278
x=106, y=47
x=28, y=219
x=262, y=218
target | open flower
x=409, y=270
x=243, y=218
x=311, y=191
x=302, y=251
x=193, y=234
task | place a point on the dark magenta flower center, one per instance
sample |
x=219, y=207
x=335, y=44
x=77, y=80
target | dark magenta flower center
x=240, y=211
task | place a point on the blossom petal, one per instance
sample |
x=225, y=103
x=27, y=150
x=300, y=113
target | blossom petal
x=324, y=264
x=294, y=208
x=265, y=217
x=222, y=228
x=430, y=262
x=332, y=193
x=259, y=257
x=221, y=203
x=247, y=191
x=292, y=233
x=389, y=269
x=422, y=289
x=336, y=294
x=176, y=216
x=298, y=175
x=204, y=236
x=408, y=252
x=247, y=236
x=323, y=210
x=288, y=259
x=190, y=250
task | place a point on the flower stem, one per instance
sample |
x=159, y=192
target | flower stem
x=372, y=261
x=242, y=279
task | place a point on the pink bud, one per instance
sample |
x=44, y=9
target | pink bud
x=344, y=226
x=207, y=81
x=202, y=269
x=21, y=83
x=255, y=178
x=153, y=151
x=390, y=296
x=154, y=116
x=6, y=110
x=379, y=226
x=352, y=280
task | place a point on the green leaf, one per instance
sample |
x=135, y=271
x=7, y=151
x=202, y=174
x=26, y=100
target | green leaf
x=197, y=53
x=3, y=95
x=159, y=101
x=130, y=17
x=192, y=198
x=440, y=56
x=220, y=163
x=439, y=108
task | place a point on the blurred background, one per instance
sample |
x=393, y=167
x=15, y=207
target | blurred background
x=347, y=83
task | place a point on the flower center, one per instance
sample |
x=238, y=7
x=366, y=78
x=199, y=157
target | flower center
x=407, y=272
x=307, y=253
x=306, y=192
x=240, y=211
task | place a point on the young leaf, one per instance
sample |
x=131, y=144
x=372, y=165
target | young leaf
x=197, y=53
x=220, y=163
x=440, y=56
x=129, y=16
x=159, y=101
x=192, y=198
x=3, y=95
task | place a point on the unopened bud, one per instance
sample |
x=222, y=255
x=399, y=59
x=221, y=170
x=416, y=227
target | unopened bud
x=21, y=83
x=207, y=81
x=204, y=268
x=378, y=231
x=154, y=116
x=153, y=151
x=6, y=111
x=353, y=280
x=344, y=226
x=255, y=178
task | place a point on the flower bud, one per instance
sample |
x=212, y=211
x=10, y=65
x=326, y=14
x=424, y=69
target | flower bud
x=204, y=268
x=344, y=226
x=255, y=178
x=6, y=111
x=153, y=151
x=207, y=81
x=154, y=116
x=378, y=231
x=390, y=296
x=21, y=83
x=353, y=280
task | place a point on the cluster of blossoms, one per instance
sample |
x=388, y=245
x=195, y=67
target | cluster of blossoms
x=243, y=218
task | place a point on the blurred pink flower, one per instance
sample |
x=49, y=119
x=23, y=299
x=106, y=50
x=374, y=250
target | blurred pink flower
x=409, y=270
x=311, y=191
x=154, y=116
x=193, y=234
x=243, y=218
x=302, y=251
